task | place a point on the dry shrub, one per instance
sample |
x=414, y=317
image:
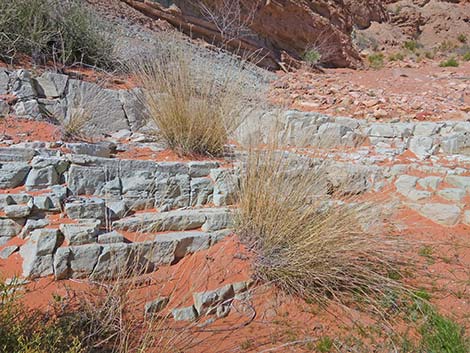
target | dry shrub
x=308, y=239
x=195, y=107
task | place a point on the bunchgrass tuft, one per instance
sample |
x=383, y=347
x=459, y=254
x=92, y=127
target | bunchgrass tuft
x=194, y=107
x=308, y=238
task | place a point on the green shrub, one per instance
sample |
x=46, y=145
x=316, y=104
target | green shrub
x=411, y=45
x=312, y=57
x=325, y=345
x=451, y=62
x=63, y=32
x=376, y=60
x=462, y=38
x=396, y=57
x=466, y=56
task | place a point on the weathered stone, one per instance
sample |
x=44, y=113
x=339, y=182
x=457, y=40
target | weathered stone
x=86, y=209
x=205, y=302
x=10, y=228
x=466, y=217
x=381, y=130
x=117, y=209
x=418, y=195
x=42, y=178
x=186, y=242
x=32, y=224
x=28, y=109
x=4, y=80
x=201, y=191
x=430, y=182
x=61, y=263
x=426, y=129
x=348, y=178
x=22, y=85
x=405, y=184
x=17, y=211
x=6, y=252
x=201, y=169
x=220, y=235
x=107, y=114
x=86, y=180
x=452, y=194
x=84, y=232
x=13, y=174
x=441, y=213
x=51, y=84
x=116, y=260
x=37, y=252
x=44, y=203
x=134, y=108
x=185, y=314
x=155, y=306
x=172, y=192
x=59, y=163
x=16, y=154
x=332, y=134
x=226, y=186
x=462, y=182
x=162, y=221
x=90, y=149
x=217, y=219
x=4, y=107
x=83, y=259
x=111, y=238
x=421, y=146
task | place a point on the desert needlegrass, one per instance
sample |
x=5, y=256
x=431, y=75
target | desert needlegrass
x=195, y=107
x=307, y=239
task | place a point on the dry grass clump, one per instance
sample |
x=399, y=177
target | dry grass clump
x=194, y=106
x=307, y=241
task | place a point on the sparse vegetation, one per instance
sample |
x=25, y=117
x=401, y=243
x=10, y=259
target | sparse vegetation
x=399, y=56
x=466, y=56
x=451, y=62
x=312, y=57
x=325, y=345
x=201, y=106
x=376, y=60
x=411, y=45
x=462, y=38
x=306, y=242
x=64, y=32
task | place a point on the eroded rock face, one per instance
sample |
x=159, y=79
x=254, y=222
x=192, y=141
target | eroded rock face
x=285, y=29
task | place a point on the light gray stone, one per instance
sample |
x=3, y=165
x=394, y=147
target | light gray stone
x=201, y=191
x=61, y=263
x=16, y=154
x=22, y=85
x=426, y=129
x=51, y=84
x=86, y=180
x=13, y=174
x=10, y=228
x=117, y=209
x=155, y=306
x=32, y=224
x=421, y=146
x=226, y=186
x=86, y=209
x=6, y=252
x=199, y=169
x=418, y=195
x=111, y=238
x=42, y=178
x=4, y=80
x=28, y=109
x=444, y=214
x=185, y=314
x=206, y=302
x=162, y=221
x=83, y=232
x=466, y=217
x=17, y=211
x=90, y=149
x=218, y=219
x=405, y=184
x=430, y=182
x=4, y=108
x=44, y=203
x=452, y=194
x=83, y=259
x=332, y=134
x=186, y=242
x=37, y=252
x=381, y=130
x=132, y=103
x=172, y=192
x=461, y=182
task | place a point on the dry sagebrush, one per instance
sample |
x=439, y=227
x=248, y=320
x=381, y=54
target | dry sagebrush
x=195, y=107
x=306, y=240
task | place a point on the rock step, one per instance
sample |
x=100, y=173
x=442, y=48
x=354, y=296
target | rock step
x=44, y=254
x=208, y=219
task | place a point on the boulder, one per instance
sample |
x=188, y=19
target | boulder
x=86, y=180
x=111, y=238
x=93, y=208
x=444, y=214
x=10, y=228
x=155, y=306
x=185, y=314
x=13, y=174
x=83, y=232
x=207, y=302
x=226, y=186
x=42, y=178
x=51, y=85
x=38, y=251
x=17, y=211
